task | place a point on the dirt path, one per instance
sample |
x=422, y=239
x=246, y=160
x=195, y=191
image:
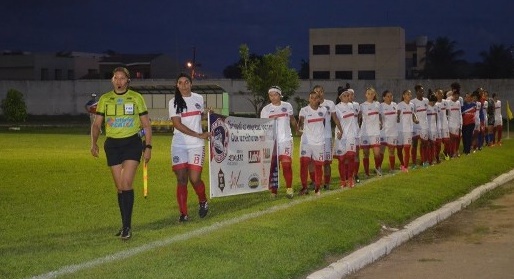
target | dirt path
x=477, y=242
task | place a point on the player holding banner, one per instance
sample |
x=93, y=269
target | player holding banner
x=283, y=113
x=188, y=147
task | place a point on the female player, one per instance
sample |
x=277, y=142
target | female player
x=406, y=117
x=371, y=122
x=283, y=112
x=388, y=111
x=123, y=112
x=311, y=125
x=345, y=147
x=187, y=147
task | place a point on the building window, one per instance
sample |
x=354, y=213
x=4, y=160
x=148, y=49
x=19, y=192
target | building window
x=344, y=75
x=44, y=74
x=344, y=49
x=321, y=75
x=321, y=49
x=58, y=74
x=367, y=49
x=367, y=75
x=71, y=75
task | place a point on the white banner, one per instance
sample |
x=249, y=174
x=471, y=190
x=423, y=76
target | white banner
x=243, y=157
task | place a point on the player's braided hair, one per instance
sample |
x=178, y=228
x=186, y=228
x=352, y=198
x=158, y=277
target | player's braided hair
x=179, y=101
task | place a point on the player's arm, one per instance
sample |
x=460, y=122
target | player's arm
x=147, y=127
x=177, y=124
x=96, y=127
x=293, y=123
x=299, y=130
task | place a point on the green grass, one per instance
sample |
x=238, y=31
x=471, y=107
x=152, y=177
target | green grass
x=59, y=208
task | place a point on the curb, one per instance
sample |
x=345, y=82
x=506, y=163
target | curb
x=385, y=245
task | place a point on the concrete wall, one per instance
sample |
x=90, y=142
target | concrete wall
x=69, y=97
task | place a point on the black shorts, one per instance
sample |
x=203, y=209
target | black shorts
x=119, y=150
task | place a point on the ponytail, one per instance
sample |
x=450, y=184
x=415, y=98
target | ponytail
x=179, y=101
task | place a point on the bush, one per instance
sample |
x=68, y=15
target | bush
x=13, y=107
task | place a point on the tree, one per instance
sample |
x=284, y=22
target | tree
x=272, y=69
x=14, y=107
x=442, y=60
x=497, y=63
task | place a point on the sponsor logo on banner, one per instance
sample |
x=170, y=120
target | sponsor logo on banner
x=219, y=140
x=233, y=159
x=253, y=181
x=234, y=180
x=221, y=180
x=254, y=156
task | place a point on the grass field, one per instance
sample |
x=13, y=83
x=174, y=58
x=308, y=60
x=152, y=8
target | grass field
x=59, y=213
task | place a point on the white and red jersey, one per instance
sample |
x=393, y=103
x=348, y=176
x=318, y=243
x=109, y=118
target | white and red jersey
x=389, y=114
x=454, y=114
x=346, y=114
x=331, y=108
x=313, y=125
x=442, y=116
x=370, y=113
x=282, y=113
x=498, y=112
x=485, y=104
x=190, y=117
x=432, y=112
x=406, y=124
x=420, y=108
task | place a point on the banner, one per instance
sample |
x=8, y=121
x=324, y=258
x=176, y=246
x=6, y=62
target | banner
x=243, y=157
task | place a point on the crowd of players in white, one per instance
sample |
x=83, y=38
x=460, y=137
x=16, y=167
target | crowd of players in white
x=436, y=124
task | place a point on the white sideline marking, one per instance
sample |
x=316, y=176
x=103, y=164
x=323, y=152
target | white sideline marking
x=69, y=269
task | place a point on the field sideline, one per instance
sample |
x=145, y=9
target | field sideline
x=59, y=209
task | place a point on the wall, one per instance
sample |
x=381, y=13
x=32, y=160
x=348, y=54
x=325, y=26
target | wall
x=69, y=97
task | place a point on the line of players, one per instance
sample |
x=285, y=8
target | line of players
x=437, y=123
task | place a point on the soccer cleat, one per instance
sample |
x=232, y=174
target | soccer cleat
x=289, y=193
x=317, y=192
x=357, y=179
x=119, y=232
x=350, y=183
x=303, y=191
x=326, y=187
x=378, y=171
x=183, y=218
x=426, y=164
x=126, y=233
x=404, y=169
x=204, y=208
x=343, y=184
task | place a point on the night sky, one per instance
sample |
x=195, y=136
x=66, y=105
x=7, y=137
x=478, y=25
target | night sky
x=217, y=28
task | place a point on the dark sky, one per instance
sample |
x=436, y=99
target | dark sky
x=216, y=28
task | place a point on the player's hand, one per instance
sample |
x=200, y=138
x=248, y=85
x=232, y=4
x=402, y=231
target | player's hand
x=339, y=135
x=147, y=155
x=94, y=150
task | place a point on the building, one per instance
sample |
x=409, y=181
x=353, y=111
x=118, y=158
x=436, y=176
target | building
x=362, y=53
x=141, y=66
x=18, y=65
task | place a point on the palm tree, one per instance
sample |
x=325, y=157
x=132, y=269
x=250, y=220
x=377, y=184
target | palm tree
x=497, y=63
x=442, y=60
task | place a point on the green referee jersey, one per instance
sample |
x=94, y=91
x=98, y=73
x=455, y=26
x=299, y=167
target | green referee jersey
x=121, y=113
